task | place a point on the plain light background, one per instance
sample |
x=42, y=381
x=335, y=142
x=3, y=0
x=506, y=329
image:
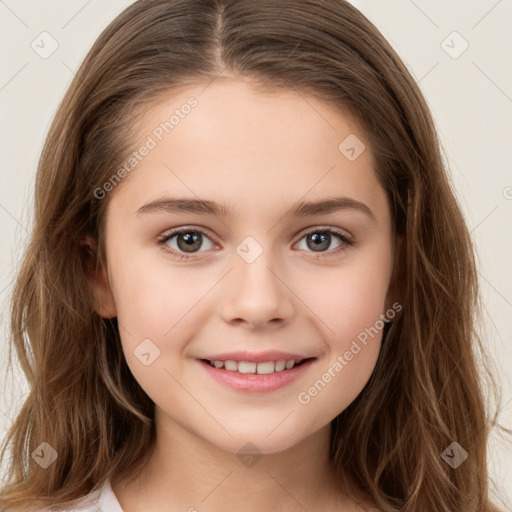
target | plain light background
x=460, y=53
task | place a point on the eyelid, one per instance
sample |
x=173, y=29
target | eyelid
x=320, y=227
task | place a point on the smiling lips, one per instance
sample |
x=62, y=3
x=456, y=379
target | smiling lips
x=255, y=380
x=256, y=372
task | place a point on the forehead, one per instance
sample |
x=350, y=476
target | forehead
x=249, y=148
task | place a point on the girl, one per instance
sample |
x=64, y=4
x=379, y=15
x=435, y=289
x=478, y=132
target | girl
x=185, y=347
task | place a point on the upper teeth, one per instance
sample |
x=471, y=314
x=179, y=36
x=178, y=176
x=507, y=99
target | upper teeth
x=260, y=368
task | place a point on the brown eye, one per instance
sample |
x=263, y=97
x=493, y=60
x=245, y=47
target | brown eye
x=185, y=241
x=320, y=241
x=190, y=241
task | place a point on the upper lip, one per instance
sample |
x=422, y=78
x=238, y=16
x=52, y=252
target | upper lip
x=256, y=357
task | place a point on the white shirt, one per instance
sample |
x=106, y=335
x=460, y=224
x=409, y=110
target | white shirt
x=104, y=499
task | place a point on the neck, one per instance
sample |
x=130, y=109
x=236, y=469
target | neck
x=187, y=473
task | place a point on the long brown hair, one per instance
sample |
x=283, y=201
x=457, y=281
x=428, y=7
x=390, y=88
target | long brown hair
x=426, y=391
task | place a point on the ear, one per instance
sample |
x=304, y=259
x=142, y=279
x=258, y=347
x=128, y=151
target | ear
x=104, y=303
x=394, y=290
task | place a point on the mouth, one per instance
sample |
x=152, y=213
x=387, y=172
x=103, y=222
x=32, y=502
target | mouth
x=260, y=377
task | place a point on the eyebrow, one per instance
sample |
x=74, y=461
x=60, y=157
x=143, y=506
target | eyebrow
x=301, y=209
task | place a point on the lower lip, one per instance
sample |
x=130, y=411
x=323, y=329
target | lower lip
x=254, y=382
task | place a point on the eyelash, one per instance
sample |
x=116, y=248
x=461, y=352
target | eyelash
x=346, y=241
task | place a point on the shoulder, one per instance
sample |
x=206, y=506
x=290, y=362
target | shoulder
x=102, y=499
x=369, y=508
x=365, y=506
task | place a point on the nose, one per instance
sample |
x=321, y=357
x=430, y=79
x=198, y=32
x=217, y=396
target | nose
x=256, y=294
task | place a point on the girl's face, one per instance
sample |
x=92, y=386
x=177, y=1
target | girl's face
x=254, y=269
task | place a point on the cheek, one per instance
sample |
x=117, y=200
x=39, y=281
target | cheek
x=155, y=310
x=151, y=298
x=160, y=309
x=352, y=332
x=349, y=299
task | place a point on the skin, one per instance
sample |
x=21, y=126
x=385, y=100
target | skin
x=259, y=153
